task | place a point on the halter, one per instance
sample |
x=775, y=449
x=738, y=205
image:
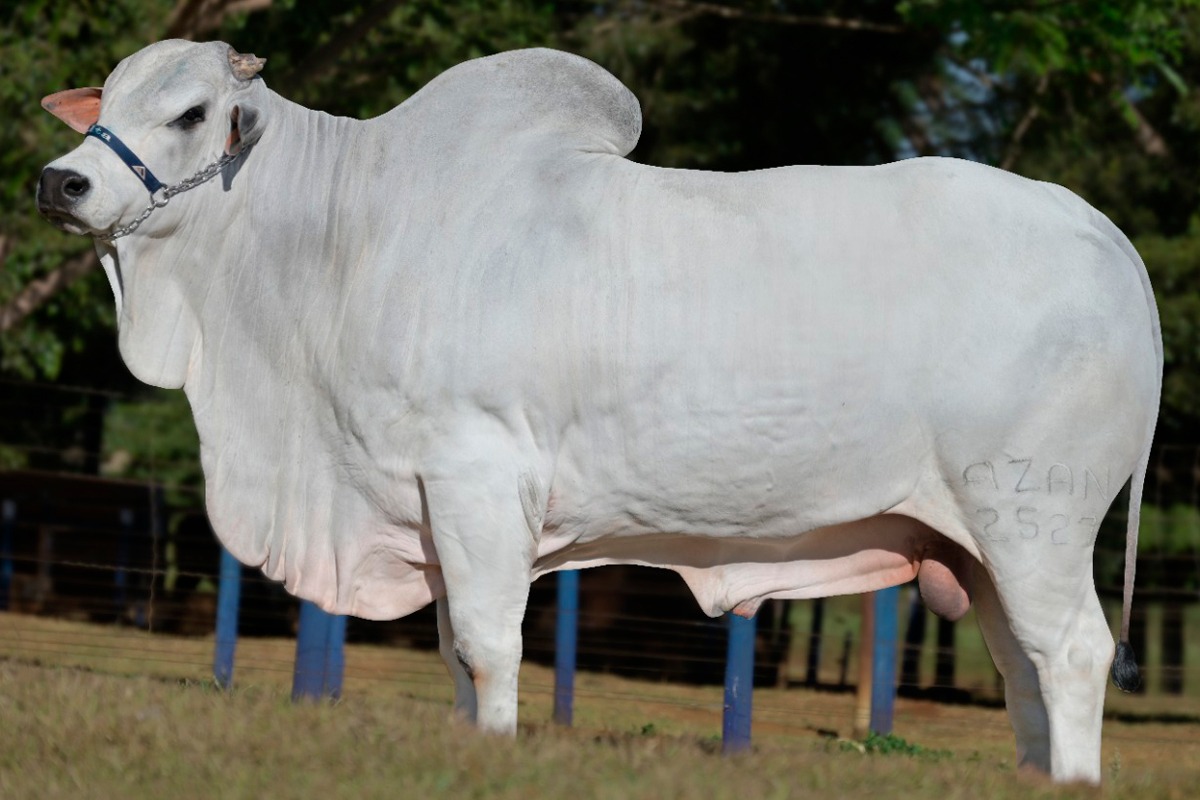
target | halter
x=134, y=163
x=147, y=178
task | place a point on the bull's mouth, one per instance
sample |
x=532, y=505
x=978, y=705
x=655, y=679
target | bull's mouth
x=63, y=221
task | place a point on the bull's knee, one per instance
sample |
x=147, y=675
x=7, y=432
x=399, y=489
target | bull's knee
x=464, y=660
x=1090, y=657
x=1088, y=652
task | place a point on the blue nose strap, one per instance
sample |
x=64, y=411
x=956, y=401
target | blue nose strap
x=133, y=162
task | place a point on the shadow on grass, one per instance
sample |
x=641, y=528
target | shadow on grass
x=964, y=697
x=1159, y=718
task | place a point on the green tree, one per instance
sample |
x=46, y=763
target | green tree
x=45, y=46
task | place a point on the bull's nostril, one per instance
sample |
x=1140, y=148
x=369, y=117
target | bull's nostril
x=76, y=186
x=62, y=186
x=59, y=193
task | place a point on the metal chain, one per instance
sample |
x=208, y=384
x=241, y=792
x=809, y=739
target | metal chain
x=204, y=175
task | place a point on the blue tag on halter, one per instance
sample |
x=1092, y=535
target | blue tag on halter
x=133, y=162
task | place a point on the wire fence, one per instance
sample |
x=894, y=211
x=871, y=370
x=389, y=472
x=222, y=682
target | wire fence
x=118, y=570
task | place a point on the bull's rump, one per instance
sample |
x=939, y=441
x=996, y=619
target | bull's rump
x=762, y=354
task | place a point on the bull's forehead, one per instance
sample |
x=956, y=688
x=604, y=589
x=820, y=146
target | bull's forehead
x=171, y=72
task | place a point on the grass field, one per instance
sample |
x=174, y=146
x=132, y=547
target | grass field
x=99, y=711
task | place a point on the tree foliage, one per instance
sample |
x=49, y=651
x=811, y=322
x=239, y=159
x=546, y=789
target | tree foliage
x=45, y=46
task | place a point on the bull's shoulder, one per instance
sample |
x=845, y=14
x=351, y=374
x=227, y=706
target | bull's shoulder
x=529, y=95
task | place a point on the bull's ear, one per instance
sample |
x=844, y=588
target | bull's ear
x=79, y=108
x=246, y=123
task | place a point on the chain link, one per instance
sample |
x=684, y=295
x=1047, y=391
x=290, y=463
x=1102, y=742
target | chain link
x=204, y=175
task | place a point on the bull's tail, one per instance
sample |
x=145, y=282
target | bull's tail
x=1124, y=668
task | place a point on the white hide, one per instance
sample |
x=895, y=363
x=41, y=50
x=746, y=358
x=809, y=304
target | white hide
x=446, y=350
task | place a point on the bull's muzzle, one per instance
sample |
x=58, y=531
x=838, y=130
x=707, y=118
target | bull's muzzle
x=59, y=192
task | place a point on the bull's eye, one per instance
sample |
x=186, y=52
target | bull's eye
x=190, y=118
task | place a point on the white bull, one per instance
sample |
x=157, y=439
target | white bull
x=436, y=354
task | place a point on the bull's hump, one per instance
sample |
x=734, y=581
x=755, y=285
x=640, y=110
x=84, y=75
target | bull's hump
x=533, y=93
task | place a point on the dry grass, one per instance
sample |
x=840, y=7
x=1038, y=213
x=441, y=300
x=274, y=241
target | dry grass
x=92, y=711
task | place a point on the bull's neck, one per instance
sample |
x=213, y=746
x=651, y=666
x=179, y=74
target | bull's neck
x=299, y=232
x=300, y=175
x=254, y=273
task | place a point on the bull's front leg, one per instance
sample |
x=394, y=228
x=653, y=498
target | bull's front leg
x=486, y=548
x=464, y=687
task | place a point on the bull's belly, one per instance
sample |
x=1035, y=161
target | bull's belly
x=741, y=515
x=738, y=574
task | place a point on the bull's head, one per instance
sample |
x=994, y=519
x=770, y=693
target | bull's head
x=167, y=112
x=175, y=105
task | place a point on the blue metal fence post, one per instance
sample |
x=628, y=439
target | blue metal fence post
x=229, y=593
x=565, y=643
x=320, y=656
x=8, y=521
x=312, y=638
x=739, y=685
x=883, y=661
x=335, y=657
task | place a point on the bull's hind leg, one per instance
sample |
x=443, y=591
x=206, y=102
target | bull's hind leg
x=1022, y=691
x=1047, y=633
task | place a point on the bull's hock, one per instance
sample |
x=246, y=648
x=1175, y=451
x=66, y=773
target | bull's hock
x=438, y=353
